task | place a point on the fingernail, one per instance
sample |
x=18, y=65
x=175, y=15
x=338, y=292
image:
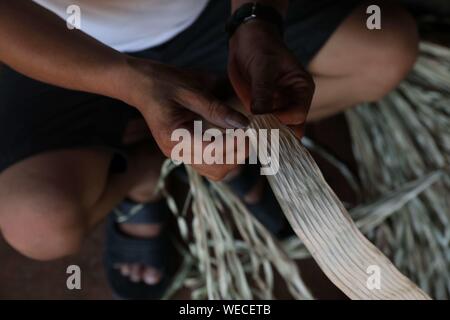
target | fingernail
x=237, y=121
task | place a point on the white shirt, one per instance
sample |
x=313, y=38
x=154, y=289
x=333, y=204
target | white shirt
x=131, y=25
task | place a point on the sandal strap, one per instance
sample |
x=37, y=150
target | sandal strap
x=267, y=210
x=127, y=249
x=129, y=211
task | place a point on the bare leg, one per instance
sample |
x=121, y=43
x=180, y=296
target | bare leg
x=358, y=65
x=45, y=201
x=50, y=201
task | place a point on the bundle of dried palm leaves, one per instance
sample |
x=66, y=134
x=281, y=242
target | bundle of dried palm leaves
x=402, y=146
x=229, y=254
x=406, y=137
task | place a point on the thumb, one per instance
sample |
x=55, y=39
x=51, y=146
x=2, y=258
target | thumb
x=212, y=109
x=263, y=84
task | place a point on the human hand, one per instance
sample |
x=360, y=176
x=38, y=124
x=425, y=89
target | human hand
x=170, y=98
x=266, y=75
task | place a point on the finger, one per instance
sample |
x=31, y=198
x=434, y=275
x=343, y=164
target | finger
x=302, y=92
x=299, y=131
x=218, y=172
x=240, y=86
x=212, y=152
x=295, y=102
x=263, y=86
x=226, y=156
x=214, y=155
x=292, y=116
x=211, y=109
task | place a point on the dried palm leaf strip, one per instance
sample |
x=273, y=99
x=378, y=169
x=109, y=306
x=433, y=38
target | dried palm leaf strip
x=321, y=221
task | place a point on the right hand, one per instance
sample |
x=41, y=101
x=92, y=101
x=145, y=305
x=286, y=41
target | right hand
x=170, y=98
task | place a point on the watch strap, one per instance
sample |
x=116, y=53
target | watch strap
x=252, y=11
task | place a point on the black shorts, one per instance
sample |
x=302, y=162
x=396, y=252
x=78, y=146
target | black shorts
x=36, y=117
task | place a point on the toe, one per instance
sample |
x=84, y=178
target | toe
x=125, y=270
x=151, y=276
x=135, y=273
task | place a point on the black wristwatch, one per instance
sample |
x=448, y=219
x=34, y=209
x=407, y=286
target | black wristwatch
x=251, y=11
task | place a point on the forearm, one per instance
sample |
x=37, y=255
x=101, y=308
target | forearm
x=37, y=43
x=281, y=5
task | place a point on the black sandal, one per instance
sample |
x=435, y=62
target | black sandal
x=122, y=248
x=267, y=210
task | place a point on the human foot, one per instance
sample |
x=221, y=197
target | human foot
x=139, y=272
x=147, y=165
x=138, y=250
x=144, y=164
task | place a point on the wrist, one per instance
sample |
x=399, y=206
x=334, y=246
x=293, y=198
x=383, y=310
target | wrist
x=254, y=11
x=260, y=28
x=259, y=33
x=132, y=82
x=280, y=5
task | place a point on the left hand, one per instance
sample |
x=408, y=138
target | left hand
x=267, y=77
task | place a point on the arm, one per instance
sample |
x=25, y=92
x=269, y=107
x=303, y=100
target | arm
x=280, y=5
x=37, y=43
x=265, y=74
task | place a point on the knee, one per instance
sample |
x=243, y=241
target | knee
x=43, y=232
x=393, y=53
